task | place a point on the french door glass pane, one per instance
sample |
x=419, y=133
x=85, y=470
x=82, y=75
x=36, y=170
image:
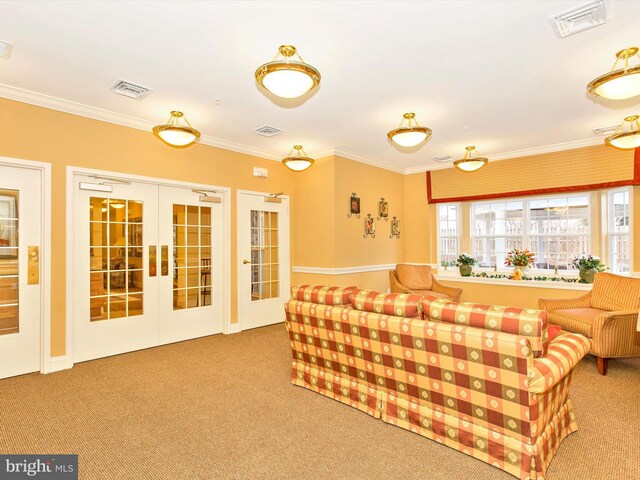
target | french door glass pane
x=9, y=252
x=264, y=255
x=115, y=245
x=191, y=256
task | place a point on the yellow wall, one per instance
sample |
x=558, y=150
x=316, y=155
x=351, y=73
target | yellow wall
x=36, y=133
x=324, y=237
x=419, y=246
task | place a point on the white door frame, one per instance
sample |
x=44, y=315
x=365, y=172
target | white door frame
x=238, y=326
x=47, y=364
x=225, y=192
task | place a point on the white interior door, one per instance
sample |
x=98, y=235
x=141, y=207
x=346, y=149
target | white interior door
x=263, y=259
x=20, y=271
x=116, y=292
x=191, y=278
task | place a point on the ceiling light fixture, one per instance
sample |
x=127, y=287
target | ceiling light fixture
x=618, y=84
x=176, y=135
x=298, y=162
x=469, y=163
x=626, y=139
x=411, y=135
x=287, y=78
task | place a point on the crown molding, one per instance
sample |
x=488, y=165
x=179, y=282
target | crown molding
x=101, y=114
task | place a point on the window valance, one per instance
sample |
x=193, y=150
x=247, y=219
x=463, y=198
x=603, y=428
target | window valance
x=586, y=168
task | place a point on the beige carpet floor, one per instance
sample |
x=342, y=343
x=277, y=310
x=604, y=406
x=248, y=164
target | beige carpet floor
x=223, y=407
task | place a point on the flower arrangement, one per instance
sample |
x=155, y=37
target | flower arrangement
x=588, y=262
x=519, y=258
x=465, y=259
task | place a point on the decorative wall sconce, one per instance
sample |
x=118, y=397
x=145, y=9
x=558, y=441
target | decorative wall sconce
x=395, y=228
x=383, y=210
x=354, y=206
x=369, y=226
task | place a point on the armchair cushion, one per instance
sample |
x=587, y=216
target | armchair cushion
x=415, y=277
x=578, y=320
x=396, y=304
x=321, y=294
x=524, y=322
x=613, y=292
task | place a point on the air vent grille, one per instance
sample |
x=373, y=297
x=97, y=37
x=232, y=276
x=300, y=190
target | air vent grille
x=130, y=89
x=442, y=158
x=268, y=131
x=579, y=19
x=605, y=130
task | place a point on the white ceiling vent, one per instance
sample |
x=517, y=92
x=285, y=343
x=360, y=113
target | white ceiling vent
x=130, y=89
x=580, y=18
x=5, y=49
x=442, y=158
x=268, y=131
x=605, y=130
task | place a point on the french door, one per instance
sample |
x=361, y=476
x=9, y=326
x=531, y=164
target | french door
x=20, y=289
x=148, y=267
x=263, y=255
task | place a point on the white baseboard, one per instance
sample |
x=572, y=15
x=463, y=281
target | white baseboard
x=232, y=328
x=56, y=364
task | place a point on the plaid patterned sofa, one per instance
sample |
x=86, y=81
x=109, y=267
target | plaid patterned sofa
x=499, y=396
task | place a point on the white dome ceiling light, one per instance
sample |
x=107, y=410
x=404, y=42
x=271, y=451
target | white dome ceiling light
x=470, y=163
x=298, y=162
x=288, y=78
x=618, y=84
x=176, y=135
x=411, y=135
x=626, y=139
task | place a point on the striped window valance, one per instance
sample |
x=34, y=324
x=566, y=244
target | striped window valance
x=587, y=168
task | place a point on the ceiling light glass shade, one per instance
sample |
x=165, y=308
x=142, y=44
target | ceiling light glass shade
x=618, y=84
x=410, y=135
x=176, y=135
x=298, y=162
x=623, y=138
x=470, y=163
x=287, y=78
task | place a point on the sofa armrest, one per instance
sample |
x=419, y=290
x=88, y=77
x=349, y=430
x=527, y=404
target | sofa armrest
x=563, y=354
x=615, y=334
x=453, y=292
x=551, y=304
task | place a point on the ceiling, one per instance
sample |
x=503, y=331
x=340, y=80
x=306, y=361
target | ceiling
x=491, y=74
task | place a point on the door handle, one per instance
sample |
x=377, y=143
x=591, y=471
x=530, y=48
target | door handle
x=164, y=260
x=153, y=264
x=33, y=266
x=246, y=261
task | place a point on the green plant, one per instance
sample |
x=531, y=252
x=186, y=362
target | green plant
x=519, y=258
x=588, y=262
x=465, y=259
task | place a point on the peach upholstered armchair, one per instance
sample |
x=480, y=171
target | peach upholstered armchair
x=419, y=279
x=607, y=315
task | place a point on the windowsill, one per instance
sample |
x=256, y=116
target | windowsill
x=454, y=275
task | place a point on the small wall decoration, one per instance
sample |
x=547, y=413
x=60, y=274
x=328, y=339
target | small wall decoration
x=395, y=228
x=369, y=226
x=354, y=206
x=383, y=210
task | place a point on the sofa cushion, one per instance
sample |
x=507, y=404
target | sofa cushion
x=322, y=294
x=613, y=292
x=415, y=277
x=397, y=304
x=524, y=322
x=578, y=320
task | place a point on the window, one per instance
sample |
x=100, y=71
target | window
x=449, y=234
x=619, y=250
x=555, y=228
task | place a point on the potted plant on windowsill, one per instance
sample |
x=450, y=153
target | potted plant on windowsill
x=465, y=264
x=587, y=266
x=520, y=260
